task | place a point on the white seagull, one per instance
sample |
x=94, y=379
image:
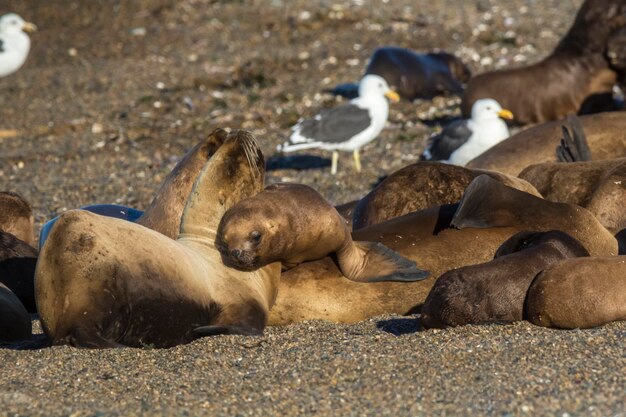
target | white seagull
x=347, y=127
x=463, y=140
x=14, y=42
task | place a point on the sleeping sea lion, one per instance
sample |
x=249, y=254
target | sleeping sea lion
x=14, y=319
x=16, y=216
x=105, y=282
x=293, y=223
x=495, y=291
x=578, y=293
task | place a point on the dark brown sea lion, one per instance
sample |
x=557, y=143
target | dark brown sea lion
x=495, y=291
x=578, y=64
x=489, y=203
x=598, y=186
x=419, y=186
x=16, y=216
x=104, y=282
x=413, y=75
x=17, y=269
x=604, y=132
x=579, y=293
x=14, y=319
x=293, y=223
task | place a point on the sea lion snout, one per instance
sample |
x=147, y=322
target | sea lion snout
x=246, y=260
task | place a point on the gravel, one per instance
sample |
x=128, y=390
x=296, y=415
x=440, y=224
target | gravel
x=115, y=92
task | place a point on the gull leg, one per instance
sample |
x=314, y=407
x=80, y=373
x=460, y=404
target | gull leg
x=357, y=160
x=333, y=167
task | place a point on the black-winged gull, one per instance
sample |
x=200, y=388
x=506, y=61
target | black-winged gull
x=347, y=127
x=463, y=140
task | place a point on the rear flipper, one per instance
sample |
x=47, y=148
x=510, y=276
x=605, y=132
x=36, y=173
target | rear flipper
x=574, y=146
x=375, y=262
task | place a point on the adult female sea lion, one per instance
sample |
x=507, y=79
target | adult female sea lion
x=579, y=293
x=293, y=223
x=576, y=70
x=604, y=132
x=104, y=282
x=495, y=291
x=419, y=186
x=598, y=186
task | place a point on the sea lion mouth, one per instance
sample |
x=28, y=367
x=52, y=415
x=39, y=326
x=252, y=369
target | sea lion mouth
x=244, y=260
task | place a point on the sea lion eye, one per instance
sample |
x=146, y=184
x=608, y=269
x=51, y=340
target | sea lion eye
x=255, y=236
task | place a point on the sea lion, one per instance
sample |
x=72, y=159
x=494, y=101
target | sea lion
x=422, y=185
x=604, y=132
x=578, y=293
x=413, y=75
x=17, y=269
x=621, y=241
x=105, y=282
x=16, y=216
x=598, y=186
x=578, y=64
x=163, y=214
x=489, y=203
x=495, y=291
x=14, y=319
x=293, y=223
x=318, y=290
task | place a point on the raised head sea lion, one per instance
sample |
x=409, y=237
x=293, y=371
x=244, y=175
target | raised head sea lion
x=14, y=319
x=419, y=186
x=488, y=203
x=604, y=132
x=293, y=223
x=578, y=293
x=495, y=291
x=16, y=216
x=598, y=186
x=559, y=84
x=163, y=214
x=104, y=282
x=413, y=75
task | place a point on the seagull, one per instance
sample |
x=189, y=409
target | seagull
x=463, y=140
x=347, y=127
x=14, y=42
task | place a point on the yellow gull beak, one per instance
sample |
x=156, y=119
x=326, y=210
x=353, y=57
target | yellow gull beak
x=505, y=114
x=29, y=27
x=392, y=95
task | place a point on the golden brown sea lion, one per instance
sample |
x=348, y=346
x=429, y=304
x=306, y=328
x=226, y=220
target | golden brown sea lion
x=604, y=132
x=598, y=186
x=495, y=291
x=103, y=282
x=14, y=319
x=576, y=70
x=579, y=293
x=293, y=223
x=16, y=216
x=419, y=186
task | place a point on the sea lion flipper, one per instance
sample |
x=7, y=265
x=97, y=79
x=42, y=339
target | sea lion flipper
x=212, y=330
x=573, y=147
x=375, y=262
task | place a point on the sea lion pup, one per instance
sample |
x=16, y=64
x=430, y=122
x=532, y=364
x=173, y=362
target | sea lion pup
x=604, y=132
x=14, y=319
x=17, y=269
x=598, y=186
x=413, y=75
x=293, y=223
x=577, y=63
x=495, y=291
x=578, y=293
x=489, y=203
x=105, y=282
x=419, y=186
x=16, y=216
x=163, y=214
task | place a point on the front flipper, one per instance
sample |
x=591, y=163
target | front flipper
x=375, y=262
x=205, y=331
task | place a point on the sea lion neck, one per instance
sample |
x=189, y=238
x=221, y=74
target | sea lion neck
x=234, y=172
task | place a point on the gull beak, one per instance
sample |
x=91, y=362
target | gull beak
x=505, y=114
x=392, y=95
x=29, y=27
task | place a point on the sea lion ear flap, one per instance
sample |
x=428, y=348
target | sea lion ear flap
x=205, y=331
x=486, y=203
